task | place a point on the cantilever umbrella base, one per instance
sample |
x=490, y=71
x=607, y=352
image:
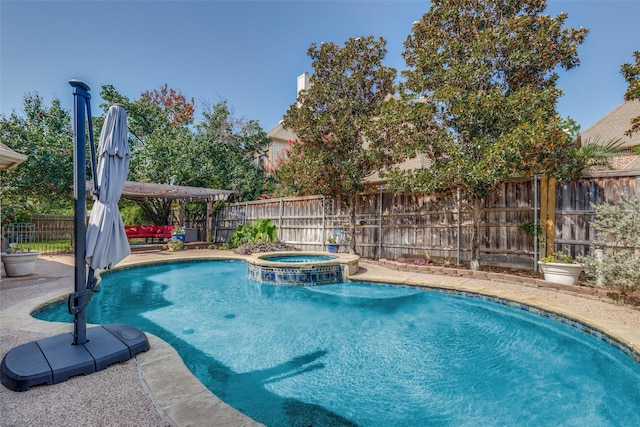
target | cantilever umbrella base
x=55, y=359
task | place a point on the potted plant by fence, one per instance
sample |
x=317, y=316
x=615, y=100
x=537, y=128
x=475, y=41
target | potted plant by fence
x=332, y=244
x=178, y=234
x=560, y=268
x=19, y=262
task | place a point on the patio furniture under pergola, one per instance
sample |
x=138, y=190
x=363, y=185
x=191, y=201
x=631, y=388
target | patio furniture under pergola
x=178, y=193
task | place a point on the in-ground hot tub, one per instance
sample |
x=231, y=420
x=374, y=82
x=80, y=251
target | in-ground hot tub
x=301, y=268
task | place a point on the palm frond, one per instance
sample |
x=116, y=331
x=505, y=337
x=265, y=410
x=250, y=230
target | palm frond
x=597, y=151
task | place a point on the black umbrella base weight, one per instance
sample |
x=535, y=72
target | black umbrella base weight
x=55, y=359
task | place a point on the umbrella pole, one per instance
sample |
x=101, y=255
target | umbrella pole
x=79, y=299
x=53, y=359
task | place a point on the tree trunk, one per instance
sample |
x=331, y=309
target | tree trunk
x=476, y=217
x=156, y=210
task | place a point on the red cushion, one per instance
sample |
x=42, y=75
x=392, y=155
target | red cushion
x=131, y=230
x=145, y=231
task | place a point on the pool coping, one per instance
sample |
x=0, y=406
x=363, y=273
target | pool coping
x=349, y=261
x=183, y=398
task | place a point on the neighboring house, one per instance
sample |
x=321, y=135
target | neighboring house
x=613, y=126
x=280, y=136
x=419, y=162
x=278, y=146
x=9, y=158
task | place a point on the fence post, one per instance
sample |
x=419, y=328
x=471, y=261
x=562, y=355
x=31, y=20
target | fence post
x=380, y=224
x=324, y=225
x=458, y=225
x=535, y=223
x=280, y=213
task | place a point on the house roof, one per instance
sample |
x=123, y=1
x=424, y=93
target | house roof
x=10, y=158
x=615, y=124
x=280, y=134
x=419, y=162
x=139, y=190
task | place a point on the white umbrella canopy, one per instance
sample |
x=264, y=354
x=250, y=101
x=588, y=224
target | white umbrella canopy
x=107, y=242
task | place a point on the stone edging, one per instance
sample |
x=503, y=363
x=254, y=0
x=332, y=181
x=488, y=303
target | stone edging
x=585, y=291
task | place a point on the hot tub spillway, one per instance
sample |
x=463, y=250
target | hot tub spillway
x=301, y=268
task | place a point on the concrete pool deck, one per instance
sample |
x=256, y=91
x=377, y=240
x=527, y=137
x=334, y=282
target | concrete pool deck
x=156, y=388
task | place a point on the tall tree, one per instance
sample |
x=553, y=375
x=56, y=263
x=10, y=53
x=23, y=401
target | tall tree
x=487, y=69
x=347, y=90
x=631, y=73
x=169, y=147
x=159, y=132
x=224, y=153
x=45, y=180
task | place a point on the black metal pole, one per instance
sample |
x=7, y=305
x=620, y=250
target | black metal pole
x=81, y=98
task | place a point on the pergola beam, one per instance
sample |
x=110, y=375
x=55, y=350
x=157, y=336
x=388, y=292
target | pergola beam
x=140, y=190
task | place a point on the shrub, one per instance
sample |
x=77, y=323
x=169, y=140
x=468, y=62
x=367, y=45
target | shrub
x=133, y=214
x=175, y=245
x=261, y=231
x=617, y=234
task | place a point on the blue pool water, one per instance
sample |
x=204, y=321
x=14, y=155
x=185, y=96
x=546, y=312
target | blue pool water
x=369, y=355
x=298, y=258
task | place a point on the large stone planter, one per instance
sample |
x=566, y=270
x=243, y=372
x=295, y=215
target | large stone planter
x=20, y=263
x=556, y=272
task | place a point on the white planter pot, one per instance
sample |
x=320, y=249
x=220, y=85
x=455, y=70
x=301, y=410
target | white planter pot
x=556, y=272
x=19, y=264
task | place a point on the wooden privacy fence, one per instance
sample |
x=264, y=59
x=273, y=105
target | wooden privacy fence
x=392, y=225
x=575, y=203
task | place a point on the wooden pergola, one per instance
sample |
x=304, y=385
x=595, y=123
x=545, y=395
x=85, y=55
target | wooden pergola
x=133, y=190
x=178, y=193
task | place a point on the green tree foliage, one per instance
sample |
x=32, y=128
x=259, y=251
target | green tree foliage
x=158, y=123
x=169, y=148
x=631, y=73
x=44, y=182
x=486, y=69
x=332, y=154
x=224, y=154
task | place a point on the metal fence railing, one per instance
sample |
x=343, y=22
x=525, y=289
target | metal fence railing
x=47, y=234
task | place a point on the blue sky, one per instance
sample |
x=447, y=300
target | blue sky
x=250, y=53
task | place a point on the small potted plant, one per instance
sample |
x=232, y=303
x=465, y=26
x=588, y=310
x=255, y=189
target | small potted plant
x=560, y=268
x=19, y=262
x=332, y=244
x=178, y=234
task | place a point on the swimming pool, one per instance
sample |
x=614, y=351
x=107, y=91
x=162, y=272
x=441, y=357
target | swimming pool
x=369, y=355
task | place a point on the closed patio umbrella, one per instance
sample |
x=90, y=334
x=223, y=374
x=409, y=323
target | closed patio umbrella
x=101, y=244
x=107, y=242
